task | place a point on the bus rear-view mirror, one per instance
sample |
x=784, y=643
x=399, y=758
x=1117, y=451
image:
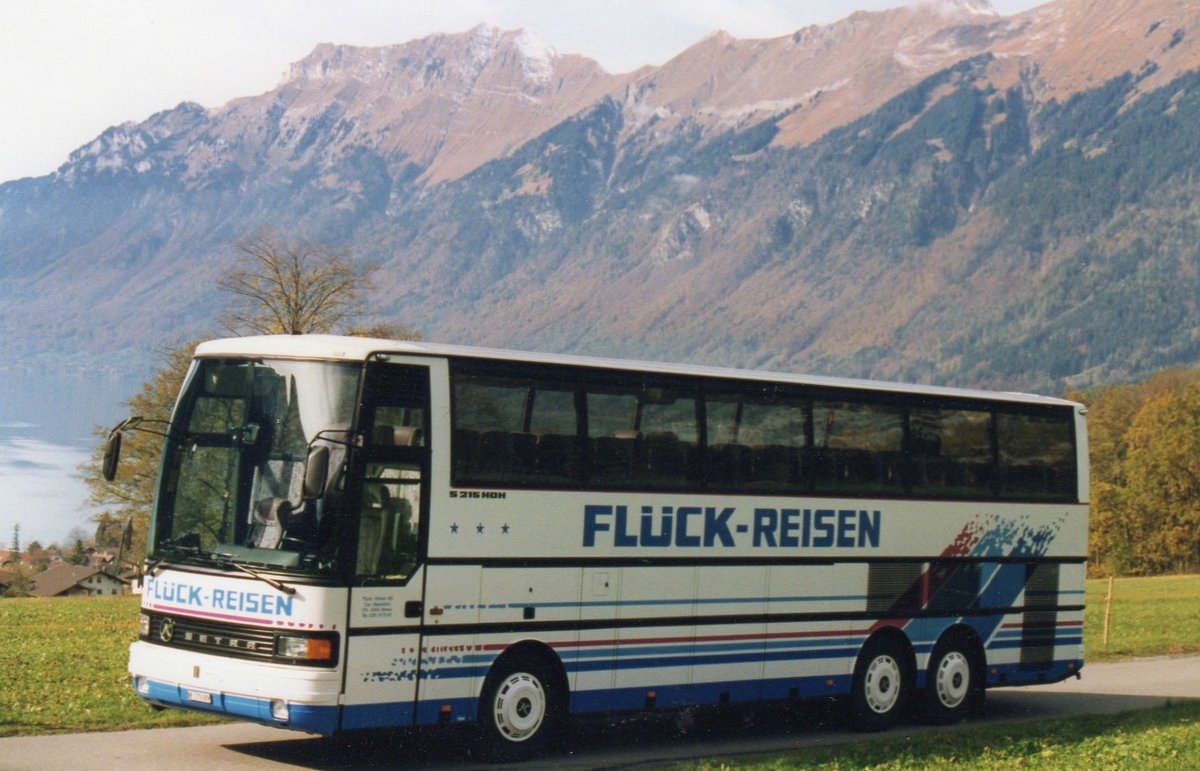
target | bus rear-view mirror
x=112, y=456
x=316, y=472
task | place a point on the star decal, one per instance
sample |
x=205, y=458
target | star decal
x=479, y=528
x=504, y=528
x=454, y=528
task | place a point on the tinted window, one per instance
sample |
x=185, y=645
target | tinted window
x=513, y=431
x=756, y=442
x=1037, y=456
x=858, y=447
x=950, y=453
x=643, y=438
x=593, y=429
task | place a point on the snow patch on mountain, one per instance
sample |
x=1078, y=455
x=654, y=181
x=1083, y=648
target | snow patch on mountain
x=537, y=58
x=952, y=8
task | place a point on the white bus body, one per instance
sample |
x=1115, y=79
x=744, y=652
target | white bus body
x=354, y=533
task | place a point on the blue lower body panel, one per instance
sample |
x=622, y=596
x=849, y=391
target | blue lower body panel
x=300, y=717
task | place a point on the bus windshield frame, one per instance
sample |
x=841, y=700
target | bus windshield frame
x=244, y=438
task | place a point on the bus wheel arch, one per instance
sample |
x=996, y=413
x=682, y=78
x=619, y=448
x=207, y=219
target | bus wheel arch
x=523, y=702
x=954, y=678
x=883, y=682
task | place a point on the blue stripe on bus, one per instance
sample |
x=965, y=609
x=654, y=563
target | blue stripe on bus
x=669, y=602
x=386, y=715
x=690, y=647
x=1040, y=641
x=689, y=654
x=314, y=719
x=630, y=699
x=624, y=660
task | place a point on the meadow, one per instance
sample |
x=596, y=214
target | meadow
x=62, y=662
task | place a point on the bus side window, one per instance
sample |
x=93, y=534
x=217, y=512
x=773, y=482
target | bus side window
x=950, y=453
x=397, y=455
x=859, y=447
x=756, y=442
x=399, y=427
x=671, y=440
x=489, y=443
x=612, y=438
x=1037, y=456
x=389, y=521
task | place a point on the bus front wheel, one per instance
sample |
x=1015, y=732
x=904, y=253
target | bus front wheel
x=881, y=685
x=520, y=709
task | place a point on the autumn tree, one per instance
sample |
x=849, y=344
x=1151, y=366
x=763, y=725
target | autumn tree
x=1144, y=448
x=1163, y=492
x=131, y=495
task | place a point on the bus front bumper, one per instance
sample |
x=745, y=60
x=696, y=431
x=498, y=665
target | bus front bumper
x=285, y=697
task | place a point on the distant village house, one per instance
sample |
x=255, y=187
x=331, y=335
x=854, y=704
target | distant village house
x=76, y=580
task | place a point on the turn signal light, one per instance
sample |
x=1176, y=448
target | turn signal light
x=304, y=648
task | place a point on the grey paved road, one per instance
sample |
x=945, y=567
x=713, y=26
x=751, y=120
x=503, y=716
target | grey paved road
x=631, y=743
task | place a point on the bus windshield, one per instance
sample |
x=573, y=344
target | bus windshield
x=233, y=481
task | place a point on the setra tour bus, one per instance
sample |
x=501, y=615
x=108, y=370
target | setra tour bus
x=352, y=533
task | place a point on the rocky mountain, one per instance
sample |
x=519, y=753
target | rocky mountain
x=932, y=193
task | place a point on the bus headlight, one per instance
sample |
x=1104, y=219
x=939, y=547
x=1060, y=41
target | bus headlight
x=144, y=625
x=313, y=649
x=279, y=709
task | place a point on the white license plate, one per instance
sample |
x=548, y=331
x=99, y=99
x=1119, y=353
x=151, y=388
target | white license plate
x=202, y=697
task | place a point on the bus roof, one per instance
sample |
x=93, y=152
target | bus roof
x=339, y=348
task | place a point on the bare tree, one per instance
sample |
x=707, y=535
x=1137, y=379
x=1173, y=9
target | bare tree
x=387, y=330
x=284, y=287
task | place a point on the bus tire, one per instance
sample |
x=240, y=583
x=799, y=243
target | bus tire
x=953, y=682
x=881, y=686
x=520, y=709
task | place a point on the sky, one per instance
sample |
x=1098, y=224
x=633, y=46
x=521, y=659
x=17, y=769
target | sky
x=69, y=69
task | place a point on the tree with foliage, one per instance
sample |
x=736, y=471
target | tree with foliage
x=78, y=553
x=1144, y=449
x=1163, y=491
x=131, y=494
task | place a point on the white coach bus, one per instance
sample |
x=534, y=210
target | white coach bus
x=352, y=533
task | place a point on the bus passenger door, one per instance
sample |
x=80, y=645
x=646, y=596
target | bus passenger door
x=388, y=489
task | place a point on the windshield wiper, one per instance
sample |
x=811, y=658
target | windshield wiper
x=272, y=582
x=171, y=551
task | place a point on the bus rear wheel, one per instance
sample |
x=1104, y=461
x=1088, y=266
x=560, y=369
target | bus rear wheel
x=520, y=709
x=881, y=686
x=953, y=682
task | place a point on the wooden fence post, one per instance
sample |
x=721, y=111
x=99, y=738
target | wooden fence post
x=1108, y=609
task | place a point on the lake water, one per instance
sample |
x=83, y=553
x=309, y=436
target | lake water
x=46, y=425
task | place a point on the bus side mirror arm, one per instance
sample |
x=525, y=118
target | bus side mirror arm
x=112, y=446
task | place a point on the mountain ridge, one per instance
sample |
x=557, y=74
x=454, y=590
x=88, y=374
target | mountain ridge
x=801, y=202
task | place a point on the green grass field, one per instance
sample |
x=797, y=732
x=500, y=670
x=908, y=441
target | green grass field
x=62, y=665
x=1150, y=617
x=1165, y=738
